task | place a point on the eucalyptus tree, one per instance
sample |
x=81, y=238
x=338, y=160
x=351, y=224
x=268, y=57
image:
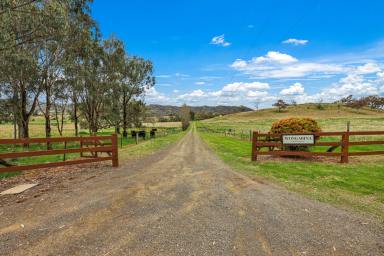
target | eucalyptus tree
x=113, y=67
x=137, y=111
x=81, y=33
x=137, y=78
x=99, y=83
x=20, y=80
x=185, y=115
x=60, y=100
x=6, y=113
x=32, y=34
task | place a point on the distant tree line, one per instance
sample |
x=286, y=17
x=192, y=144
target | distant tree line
x=54, y=60
x=193, y=117
x=373, y=102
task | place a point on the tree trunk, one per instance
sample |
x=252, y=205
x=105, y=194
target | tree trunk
x=24, y=122
x=14, y=114
x=47, y=115
x=24, y=129
x=125, y=121
x=14, y=127
x=75, y=117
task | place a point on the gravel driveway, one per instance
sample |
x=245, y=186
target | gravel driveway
x=181, y=201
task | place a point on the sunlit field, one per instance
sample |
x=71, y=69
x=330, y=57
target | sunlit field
x=37, y=128
x=359, y=184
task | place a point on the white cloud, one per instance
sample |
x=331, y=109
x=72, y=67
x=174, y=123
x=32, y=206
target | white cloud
x=274, y=57
x=353, y=84
x=194, y=94
x=154, y=96
x=220, y=40
x=256, y=94
x=368, y=68
x=280, y=65
x=197, y=93
x=239, y=64
x=302, y=70
x=295, y=41
x=295, y=89
x=216, y=93
x=241, y=86
x=200, y=83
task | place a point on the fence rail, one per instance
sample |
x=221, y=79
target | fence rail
x=91, y=144
x=275, y=146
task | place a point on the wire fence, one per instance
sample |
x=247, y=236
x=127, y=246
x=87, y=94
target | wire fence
x=241, y=134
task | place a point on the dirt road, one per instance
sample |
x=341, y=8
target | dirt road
x=182, y=201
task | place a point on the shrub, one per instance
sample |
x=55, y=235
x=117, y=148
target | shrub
x=295, y=125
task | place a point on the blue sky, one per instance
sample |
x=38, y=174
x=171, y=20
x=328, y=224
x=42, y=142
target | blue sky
x=252, y=52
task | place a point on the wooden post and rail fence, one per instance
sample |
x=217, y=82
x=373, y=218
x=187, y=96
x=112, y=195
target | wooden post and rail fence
x=276, y=146
x=91, y=144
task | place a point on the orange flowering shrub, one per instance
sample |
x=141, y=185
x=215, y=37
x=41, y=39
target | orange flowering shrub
x=295, y=125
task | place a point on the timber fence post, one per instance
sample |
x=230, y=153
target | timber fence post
x=254, y=147
x=345, y=147
x=115, y=151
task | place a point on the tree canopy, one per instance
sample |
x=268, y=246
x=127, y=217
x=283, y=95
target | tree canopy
x=53, y=59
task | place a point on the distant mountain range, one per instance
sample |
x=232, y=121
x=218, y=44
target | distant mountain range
x=166, y=110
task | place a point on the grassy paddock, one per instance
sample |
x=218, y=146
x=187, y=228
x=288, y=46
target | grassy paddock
x=359, y=184
x=37, y=128
x=149, y=147
x=331, y=118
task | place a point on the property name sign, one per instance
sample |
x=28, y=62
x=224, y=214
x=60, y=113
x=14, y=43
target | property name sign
x=297, y=139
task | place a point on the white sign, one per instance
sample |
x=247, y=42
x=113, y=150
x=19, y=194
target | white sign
x=296, y=139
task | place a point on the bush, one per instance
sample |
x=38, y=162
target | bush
x=295, y=125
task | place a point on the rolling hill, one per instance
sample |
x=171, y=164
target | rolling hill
x=332, y=117
x=167, y=110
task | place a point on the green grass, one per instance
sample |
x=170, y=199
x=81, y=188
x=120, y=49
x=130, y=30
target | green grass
x=149, y=147
x=331, y=118
x=360, y=185
x=37, y=128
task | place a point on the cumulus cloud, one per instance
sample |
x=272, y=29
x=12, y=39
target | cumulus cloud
x=256, y=94
x=295, y=41
x=295, y=89
x=154, y=96
x=336, y=80
x=353, y=84
x=241, y=86
x=220, y=40
x=275, y=57
x=368, y=68
x=280, y=65
x=194, y=94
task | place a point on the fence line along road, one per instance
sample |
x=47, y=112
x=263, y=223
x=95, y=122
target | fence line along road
x=273, y=141
x=91, y=144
